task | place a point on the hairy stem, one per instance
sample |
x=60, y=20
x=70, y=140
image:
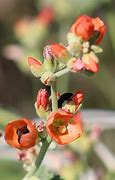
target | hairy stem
x=46, y=143
x=54, y=97
x=62, y=72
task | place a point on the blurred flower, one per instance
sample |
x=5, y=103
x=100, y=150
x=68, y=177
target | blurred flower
x=95, y=133
x=21, y=134
x=1, y=133
x=64, y=127
x=46, y=15
x=27, y=156
x=86, y=27
x=36, y=66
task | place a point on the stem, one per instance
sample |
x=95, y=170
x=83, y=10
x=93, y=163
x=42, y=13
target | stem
x=62, y=72
x=47, y=141
x=42, y=153
x=54, y=97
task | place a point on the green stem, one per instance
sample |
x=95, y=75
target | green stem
x=42, y=153
x=62, y=72
x=47, y=141
x=54, y=97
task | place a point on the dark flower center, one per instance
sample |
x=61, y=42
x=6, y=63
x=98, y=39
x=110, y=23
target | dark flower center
x=21, y=131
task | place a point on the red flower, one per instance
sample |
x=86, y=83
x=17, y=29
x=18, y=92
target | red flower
x=83, y=27
x=59, y=50
x=46, y=15
x=86, y=27
x=64, y=127
x=42, y=99
x=100, y=28
x=21, y=134
x=78, y=97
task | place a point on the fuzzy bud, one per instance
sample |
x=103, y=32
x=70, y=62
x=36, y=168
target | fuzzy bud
x=36, y=66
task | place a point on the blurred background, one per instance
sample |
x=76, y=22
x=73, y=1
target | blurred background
x=25, y=28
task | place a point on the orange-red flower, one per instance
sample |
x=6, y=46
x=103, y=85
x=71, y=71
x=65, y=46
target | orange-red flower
x=86, y=27
x=64, y=127
x=83, y=27
x=21, y=134
x=59, y=51
x=100, y=28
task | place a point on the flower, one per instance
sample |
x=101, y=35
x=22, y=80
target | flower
x=100, y=28
x=85, y=27
x=36, y=66
x=46, y=15
x=90, y=61
x=77, y=98
x=21, y=134
x=74, y=103
x=64, y=127
x=77, y=65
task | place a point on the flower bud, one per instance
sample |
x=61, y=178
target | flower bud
x=48, y=78
x=60, y=52
x=36, y=66
x=42, y=103
x=90, y=61
x=42, y=99
x=83, y=27
x=74, y=44
x=89, y=28
x=50, y=62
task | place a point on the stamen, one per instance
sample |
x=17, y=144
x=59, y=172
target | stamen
x=62, y=129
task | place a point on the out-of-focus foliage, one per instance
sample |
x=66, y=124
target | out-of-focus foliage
x=6, y=116
x=10, y=170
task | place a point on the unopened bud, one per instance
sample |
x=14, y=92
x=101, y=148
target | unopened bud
x=36, y=66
